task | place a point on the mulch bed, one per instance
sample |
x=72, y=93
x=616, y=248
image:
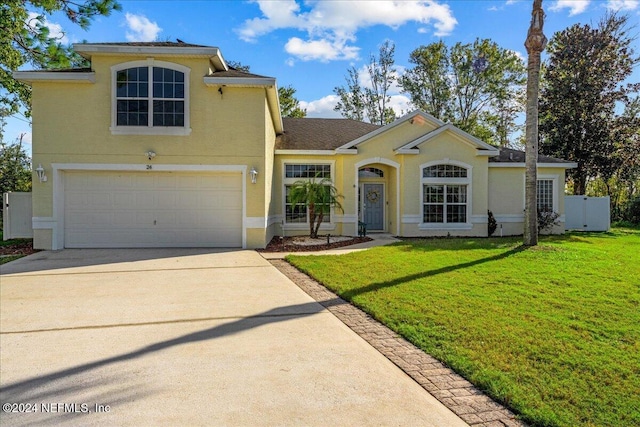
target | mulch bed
x=280, y=244
x=21, y=247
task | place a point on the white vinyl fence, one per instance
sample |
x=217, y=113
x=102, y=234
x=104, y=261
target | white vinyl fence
x=16, y=216
x=587, y=213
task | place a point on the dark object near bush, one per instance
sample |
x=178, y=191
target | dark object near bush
x=362, y=229
x=547, y=219
x=492, y=224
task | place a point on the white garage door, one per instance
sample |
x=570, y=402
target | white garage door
x=155, y=209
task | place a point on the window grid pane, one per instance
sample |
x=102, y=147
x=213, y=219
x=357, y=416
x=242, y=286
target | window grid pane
x=444, y=202
x=294, y=214
x=132, y=97
x=370, y=173
x=298, y=214
x=545, y=195
x=444, y=171
x=308, y=171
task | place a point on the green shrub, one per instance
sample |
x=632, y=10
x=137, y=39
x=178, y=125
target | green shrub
x=492, y=224
x=631, y=211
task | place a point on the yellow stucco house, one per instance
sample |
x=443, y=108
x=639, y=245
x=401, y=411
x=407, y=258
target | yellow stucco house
x=163, y=144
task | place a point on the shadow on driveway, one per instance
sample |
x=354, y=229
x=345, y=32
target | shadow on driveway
x=55, y=385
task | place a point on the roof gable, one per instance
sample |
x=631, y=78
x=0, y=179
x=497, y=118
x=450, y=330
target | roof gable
x=416, y=116
x=411, y=148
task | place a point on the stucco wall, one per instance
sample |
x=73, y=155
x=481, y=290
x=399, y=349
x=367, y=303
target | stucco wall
x=71, y=125
x=507, y=197
x=402, y=181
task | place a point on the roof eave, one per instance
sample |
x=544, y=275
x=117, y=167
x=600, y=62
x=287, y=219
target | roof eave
x=341, y=150
x=407, y=151
x=59, y=77
x=306, y=152
x=562, y=165
x=88, y=49
x=240, y=81
x=489, y=153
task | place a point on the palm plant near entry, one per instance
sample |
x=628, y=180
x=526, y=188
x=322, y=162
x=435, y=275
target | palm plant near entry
x=319, y=197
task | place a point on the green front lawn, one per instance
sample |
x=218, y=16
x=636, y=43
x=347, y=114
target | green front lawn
x=552, y=331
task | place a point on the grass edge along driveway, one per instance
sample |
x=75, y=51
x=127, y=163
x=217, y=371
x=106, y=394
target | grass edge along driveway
x=551, y=331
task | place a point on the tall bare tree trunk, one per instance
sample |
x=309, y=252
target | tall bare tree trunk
x=535, y=44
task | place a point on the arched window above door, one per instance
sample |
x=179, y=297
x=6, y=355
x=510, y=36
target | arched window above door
x=369, y=172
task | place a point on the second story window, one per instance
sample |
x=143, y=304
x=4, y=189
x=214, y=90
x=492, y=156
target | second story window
x=150, y=98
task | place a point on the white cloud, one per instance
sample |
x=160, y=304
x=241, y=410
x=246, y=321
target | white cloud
x=322, y=107
x=290, y=62
x=575, y=7
x=322, y=50
x=332, y=25
x=141, y=29
x=401, y=104
x=623, y=4
x=27, y=138
x=520, y=55
x=55, y=29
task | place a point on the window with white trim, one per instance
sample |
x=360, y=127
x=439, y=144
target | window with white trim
x=545, y=195
x=298, y=214
x=445, y=198
x=370, y=172
x=150, y=97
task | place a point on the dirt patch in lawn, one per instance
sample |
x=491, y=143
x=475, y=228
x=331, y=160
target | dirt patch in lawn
x=17, y=247
x=307, y=244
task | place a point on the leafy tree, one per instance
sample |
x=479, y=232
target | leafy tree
x=239, y=66
x=476, y=86
x=352, y=102
x=584, y=83
x=319, y=197
x=427, y=82
x=289, y=104
x=15, y=167
x=358, y=102
x=25, y=39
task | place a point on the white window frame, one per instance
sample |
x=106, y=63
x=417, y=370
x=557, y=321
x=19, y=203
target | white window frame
x=150, y=130
x=327, y=226
x=554, y=186
x=446, y=181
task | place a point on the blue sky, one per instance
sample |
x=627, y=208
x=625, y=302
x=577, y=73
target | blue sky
x=311, y=44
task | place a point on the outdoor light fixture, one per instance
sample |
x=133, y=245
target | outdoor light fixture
x=41, y=175
x=150, y=154
x=253, y=173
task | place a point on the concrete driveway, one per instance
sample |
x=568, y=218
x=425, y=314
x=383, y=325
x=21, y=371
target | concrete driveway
x=186, y=337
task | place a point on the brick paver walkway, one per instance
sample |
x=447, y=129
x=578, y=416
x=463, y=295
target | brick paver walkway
x=456, y=393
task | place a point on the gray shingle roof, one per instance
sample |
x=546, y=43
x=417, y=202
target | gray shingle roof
x=507, y=155
x=232, y=72
x=320, y=134
x=151, y=44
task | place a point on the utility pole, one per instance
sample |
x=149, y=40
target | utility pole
x=535, y=44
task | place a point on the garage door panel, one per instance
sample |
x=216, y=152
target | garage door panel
x=133, y=209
